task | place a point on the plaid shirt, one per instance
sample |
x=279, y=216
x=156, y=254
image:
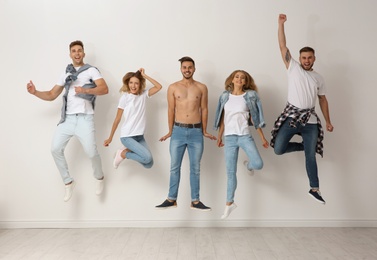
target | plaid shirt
x=298, y=116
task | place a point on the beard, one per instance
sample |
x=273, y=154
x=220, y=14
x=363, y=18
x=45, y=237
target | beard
x=187, y=76
x=307, y=68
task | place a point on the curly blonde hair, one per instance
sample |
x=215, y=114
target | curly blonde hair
x=249, y=81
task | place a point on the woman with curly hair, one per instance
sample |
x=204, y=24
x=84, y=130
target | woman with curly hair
x=238, y=108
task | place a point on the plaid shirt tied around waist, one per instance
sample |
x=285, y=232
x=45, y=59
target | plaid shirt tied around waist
x=301, y=116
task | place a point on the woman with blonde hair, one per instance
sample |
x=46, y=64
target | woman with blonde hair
x=132, y=107
x=238, y=108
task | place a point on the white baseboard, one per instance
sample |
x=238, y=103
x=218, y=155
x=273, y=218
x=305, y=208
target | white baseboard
x=182, y=223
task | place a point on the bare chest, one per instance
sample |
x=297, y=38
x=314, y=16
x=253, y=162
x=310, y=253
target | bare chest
x=183, y=94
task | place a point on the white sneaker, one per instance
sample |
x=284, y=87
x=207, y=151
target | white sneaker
x=100, y=184
x=118, y=158
x=228, y=210
x=69, y=191
x=250, y=172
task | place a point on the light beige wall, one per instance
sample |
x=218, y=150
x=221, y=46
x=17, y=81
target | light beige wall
x=221, y=36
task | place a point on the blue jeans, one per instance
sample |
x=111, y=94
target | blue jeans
x=309, y=134
x=82, y=127
x=232, y=145
x=139, y=150
x=192, y=139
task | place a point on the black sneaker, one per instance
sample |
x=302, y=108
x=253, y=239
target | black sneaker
x=317, y=196
x=200, y=206
x=167, y=204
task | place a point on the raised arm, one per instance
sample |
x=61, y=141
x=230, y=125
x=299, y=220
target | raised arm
x=285, y=54
x=44, y=95
x=156, y=86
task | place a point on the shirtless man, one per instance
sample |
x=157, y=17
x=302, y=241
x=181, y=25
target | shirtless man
x=187, y=118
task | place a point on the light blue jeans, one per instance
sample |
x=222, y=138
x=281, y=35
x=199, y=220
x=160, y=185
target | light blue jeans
x=232, y=145
x=192, y=139
x=139, y=150
x=82, y=127
x=309, y=134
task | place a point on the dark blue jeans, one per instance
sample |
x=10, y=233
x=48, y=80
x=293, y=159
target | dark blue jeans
x=309, y=134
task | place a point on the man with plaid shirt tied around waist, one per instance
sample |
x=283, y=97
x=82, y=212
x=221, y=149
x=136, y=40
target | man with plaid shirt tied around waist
x=299, y=116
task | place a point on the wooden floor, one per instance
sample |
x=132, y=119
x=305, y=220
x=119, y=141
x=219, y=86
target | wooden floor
x=189, y=243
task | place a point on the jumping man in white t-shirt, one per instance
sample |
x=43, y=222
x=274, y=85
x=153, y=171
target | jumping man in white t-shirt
x=81, y=88
x=299, y=116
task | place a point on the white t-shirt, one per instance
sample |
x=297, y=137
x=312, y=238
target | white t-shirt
x=304, y=87
x=76, y=105
x=134, y=113
x=236, y=116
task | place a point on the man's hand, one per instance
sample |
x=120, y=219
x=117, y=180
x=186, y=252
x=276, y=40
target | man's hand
x=31, y=87
x=165, y=137
x=212, y=137
x=282, y=18
x=80, y=90
x=329, y=127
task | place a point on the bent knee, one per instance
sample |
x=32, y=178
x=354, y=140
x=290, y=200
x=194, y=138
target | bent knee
x=149, y=164
x=258, y=165
x=148, y=159
x=278, y=151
